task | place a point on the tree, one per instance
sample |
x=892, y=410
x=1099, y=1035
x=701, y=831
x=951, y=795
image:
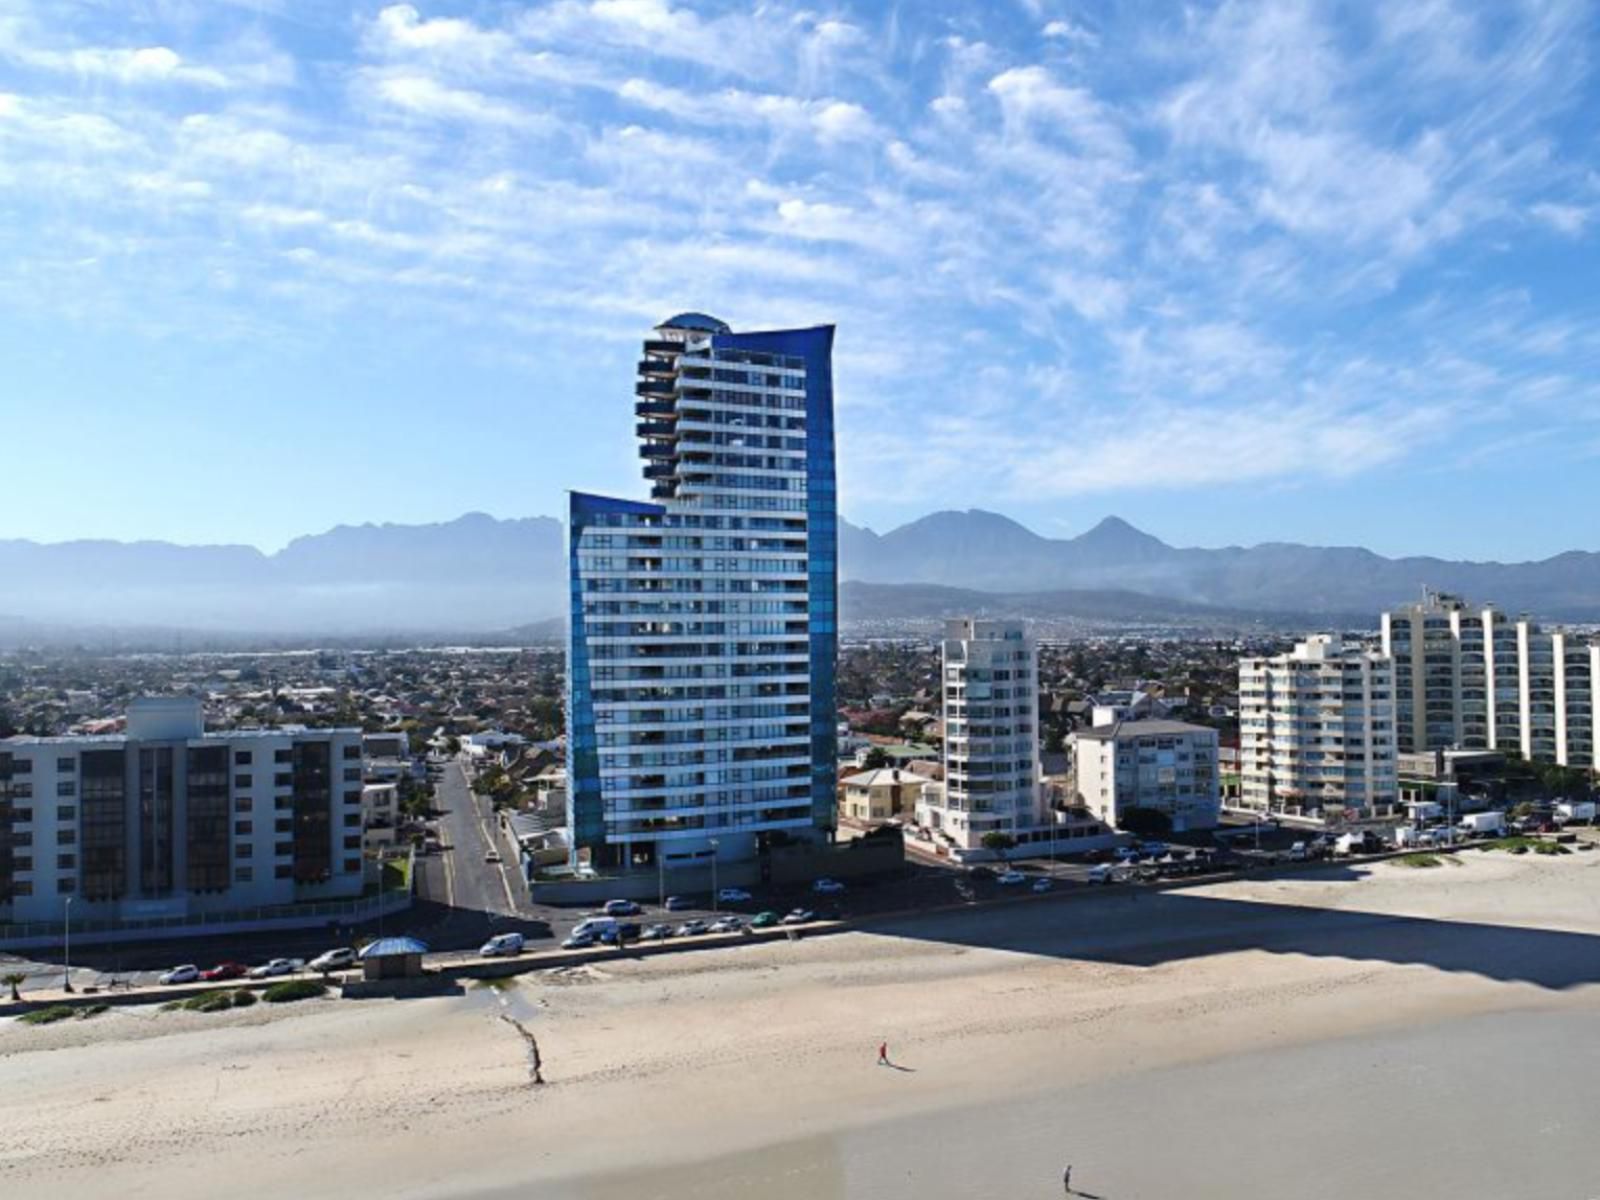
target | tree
x=997, y=841
x=876, y=759
x=14, y=980
x=1144, y=822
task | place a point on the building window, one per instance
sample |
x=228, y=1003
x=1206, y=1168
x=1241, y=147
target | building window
x=352, y=820
x=244, y=828
x=67, y=812
x=21, y=791
x=284, y=825
x=352, y=774
x=352, y=866
x=23, y=887
x=243, y=874
x=283, y=849
x=241, y=781
x=283, y=871
x=353, y=843
x=65, y=887
x=66, y=862
x=282, y=756
x=242, y=804
x=241, y=758
x=243, y=850
x=66, y=787
x=283, y=779
x=66, y=766
x=352, y=752
x=66, y=837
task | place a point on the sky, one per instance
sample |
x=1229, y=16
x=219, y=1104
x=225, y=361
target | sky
x=1235, y=272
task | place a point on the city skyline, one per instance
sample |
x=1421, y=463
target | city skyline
x=1081, y=261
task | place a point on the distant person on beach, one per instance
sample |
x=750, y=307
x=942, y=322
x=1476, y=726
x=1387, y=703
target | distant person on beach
x=1066, y=1179
x=883, y=1054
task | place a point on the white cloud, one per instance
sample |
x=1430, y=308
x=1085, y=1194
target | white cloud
x=1570, y=219
x=423, y=96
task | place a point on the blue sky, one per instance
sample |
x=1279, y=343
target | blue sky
x=1236, y=272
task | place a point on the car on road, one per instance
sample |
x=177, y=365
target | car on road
x=692, y=928
x=1012, y=878
x=188, y=973
x=764, y=919
x=798, y=916
x=275, y=967
x=827, y=887
x=733, y=895
x=622, y=908
x=1103, y=873
x=656, y=933
x=726, y=925
x=341, y=958
x=493, y=856
x=627, y=931
x=1042, y=885
x=678, y=903
x=579, y=941
x=225, y=970
x=501, y=943
x=1125, y=854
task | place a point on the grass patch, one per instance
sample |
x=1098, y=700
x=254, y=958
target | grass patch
x=62, y=1012
x=1420, y=860
x=294, y=989
x=243, y=998
x=1522, y=845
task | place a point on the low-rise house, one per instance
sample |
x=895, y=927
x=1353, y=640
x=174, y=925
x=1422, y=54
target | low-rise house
x=885, y=794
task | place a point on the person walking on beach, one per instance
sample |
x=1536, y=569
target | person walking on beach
x=1066, y=1179
x=883, y=1054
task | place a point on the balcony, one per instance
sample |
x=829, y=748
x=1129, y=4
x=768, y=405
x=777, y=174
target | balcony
x=654, y=387
x=665, y=470
x=654, y=408
x=654, y=429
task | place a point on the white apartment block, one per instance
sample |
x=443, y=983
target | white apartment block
x=992, y=780
x=1168, y=766
x=1316, y=732
x=1476, y=679
x=167, y=820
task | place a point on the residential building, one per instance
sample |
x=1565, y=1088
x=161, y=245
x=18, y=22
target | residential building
x=380, y=816
x=881, y=795
x=702, y=635
x=1476, y=679
x=1166, y=766
x=168, y=820
x=1316, y=730
x=1134, y=704
x=991, y=748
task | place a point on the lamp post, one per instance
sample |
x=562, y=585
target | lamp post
x=66, y=954
x=714, y=894
x=661, y=877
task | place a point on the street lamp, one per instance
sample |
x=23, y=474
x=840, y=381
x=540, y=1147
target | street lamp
x=661, y=875
x=66, y=954
x=714, y=895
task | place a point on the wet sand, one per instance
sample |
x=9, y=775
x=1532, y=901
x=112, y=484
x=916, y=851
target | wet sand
x=1367, y=1032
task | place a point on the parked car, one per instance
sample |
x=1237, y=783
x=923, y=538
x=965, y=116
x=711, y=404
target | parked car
x=493, y=856
x=225, y=970
x=334, y=960
x=501, y=944
x=622, y=908
x=188, y=973
x=733, y=895
x=827, y=887
x=1104, y=873
x=1125, y=854
x=1299, y=852
x=579, y=941
x=1042, y=885
x=679, y=903
x=275, y=967
x=798, y=916
x=1012, y=878
x=764, y=919
x=656, y=933
x=628, y=931
x=726, y=925
x=693, y=928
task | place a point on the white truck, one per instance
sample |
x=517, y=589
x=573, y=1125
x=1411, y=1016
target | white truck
x=1483, y=824
x=1575, y=810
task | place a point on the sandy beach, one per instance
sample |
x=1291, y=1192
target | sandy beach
x=1372, y=1031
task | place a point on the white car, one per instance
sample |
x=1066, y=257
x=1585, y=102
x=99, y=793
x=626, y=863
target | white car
x=1042, y=885
x=798, y=916
x=1104, y=873
x=692, y=928
x=334, y=960
x=501, y=943
x=492, y=856
x=726, y=925
x=188, y=973
x=579, y=941
x=733, y=896
x=1011, y=878
x=827, y=887
x=278, y=966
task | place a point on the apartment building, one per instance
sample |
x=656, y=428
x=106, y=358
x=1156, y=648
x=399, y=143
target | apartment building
x=992, y=778
x=1163, y=765
x=1317, y=732
x=702, y=636
x=167, y=820
x=1475, y=679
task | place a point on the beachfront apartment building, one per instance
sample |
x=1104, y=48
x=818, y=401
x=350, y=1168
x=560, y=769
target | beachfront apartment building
x=992, y=778
x=702, y=633
x=1158, y=764
x=1474, y=678
x=1316, y=732
x=166, y=820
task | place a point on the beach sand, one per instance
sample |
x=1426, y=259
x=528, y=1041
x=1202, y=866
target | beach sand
x=1372, y=1031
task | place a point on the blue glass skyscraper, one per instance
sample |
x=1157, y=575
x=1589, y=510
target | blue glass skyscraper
x=703, y=631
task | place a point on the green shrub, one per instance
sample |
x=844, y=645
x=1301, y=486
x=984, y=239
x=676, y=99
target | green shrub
x=49, y=1016
x=1420, y=860
x=91, y=1010
x=294, y=989
x=243, y=998
x=1551, y=848
x=208, y=1002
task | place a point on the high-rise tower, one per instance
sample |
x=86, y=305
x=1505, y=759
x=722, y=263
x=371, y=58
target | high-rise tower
x=703, y=629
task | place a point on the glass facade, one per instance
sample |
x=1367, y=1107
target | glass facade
x=703, y=623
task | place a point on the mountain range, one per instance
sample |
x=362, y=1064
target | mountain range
x=478, y=574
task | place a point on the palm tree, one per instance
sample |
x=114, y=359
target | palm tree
x=16, y=979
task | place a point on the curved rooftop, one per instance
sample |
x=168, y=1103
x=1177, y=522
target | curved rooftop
x=696, y=321
x=390, y=947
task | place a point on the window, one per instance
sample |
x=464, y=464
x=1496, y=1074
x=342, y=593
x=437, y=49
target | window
x=352, y=774
x=352, y=797
x=66, y=812
x=66, y=837
x=352, y=866
x=23, y=887
x=22, y=862
x=283, y=871
x=352, y=820
x=241, y=758
x=66, y=862
x=243, y=828
x=353, y=842
x=22, y=766
x=66, y=766
x=283, y=825
x=66, y=787
x=243, y=850
x=241, y=781
x=243, y=874
x=65, y=887
x=282, y=756
x=283, y=779
x=283, y=849
x=21, y=791
x=352, y=752
x=242, y=804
